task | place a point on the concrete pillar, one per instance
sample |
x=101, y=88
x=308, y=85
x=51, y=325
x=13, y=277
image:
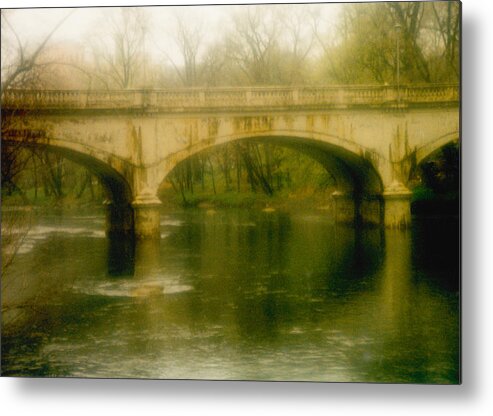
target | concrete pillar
x=343, y=208
x=119, y=219
x=371, y=210
x=397, y=206
x=146, y=216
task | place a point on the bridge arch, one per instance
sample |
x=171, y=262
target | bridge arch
x=428, y=150
x=359, y=185
x=354, y=161
x=111, y=172
x=435, y=173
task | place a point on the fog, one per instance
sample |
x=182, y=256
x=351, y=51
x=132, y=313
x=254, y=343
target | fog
x=87, y=23
x=379, y=43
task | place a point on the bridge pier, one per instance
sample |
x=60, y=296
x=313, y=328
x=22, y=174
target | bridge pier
x=370, y=209
x=392, y=209
x=343, y=208
x=146, y=216
x=397, y=206
x=348, y=209
x=119, y=219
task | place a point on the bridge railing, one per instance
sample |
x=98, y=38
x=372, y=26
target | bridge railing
x=196, y=98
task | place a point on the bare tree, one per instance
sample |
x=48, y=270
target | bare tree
x=446, y=26
x=253, y=44
x=365, y=48
x=119, y=53
x=188, y=38
x=299, y=39
x=20, y=67
x=216, y=68
x=409, y=17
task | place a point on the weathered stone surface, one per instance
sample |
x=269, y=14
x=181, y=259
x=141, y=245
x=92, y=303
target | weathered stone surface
x=119, y=220
x=397, y=203
x=343, y=208
x=146, y=216
x=134, y=139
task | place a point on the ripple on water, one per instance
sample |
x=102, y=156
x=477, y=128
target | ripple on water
x=171, y=222
x=42, y=232
x=134, y=288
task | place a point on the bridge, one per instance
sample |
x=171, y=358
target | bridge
x=369, y=137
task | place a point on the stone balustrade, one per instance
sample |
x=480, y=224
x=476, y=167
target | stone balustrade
x=241, y=97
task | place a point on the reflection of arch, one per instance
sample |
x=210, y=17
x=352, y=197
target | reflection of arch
x=430, y=149
x=348, y=161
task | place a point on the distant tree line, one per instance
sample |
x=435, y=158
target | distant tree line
x=253, y=45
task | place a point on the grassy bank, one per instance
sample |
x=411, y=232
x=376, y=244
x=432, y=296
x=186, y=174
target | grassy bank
x=280, y=200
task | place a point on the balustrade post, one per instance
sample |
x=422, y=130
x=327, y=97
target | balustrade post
x=248, y=96
x=296, y=96
x=404, y=95
x=151, y=98
x=138, y=98
x=391, y=94
x=82, y=99
x=342, y=100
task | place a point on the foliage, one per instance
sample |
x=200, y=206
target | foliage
x=250, y=168
x=441, y=172
x=425, y=34
x=118, y=54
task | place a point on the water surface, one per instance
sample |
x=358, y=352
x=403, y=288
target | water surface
x=237, y=294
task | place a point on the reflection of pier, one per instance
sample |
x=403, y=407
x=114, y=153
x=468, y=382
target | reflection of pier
x=367, y=136
x=129, y=257
x=121, y=256
x=138, y=260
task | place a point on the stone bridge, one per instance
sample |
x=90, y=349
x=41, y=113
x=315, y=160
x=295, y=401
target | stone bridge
x=369, y=137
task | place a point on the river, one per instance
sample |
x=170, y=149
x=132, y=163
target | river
x=238, y=295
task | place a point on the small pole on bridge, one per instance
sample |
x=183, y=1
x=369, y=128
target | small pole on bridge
x=398, y=63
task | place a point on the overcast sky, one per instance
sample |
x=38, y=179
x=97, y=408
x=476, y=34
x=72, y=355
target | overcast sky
x=32, y=24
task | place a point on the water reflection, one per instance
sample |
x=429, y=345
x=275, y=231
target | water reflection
x=244, y=294
x=436, y=250
x=121, y=256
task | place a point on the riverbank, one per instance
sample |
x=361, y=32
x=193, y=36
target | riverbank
x=283, y=200
x=424, y=201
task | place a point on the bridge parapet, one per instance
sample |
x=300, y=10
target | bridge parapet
x=184, y=99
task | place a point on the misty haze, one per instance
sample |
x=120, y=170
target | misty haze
x=261, y=192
